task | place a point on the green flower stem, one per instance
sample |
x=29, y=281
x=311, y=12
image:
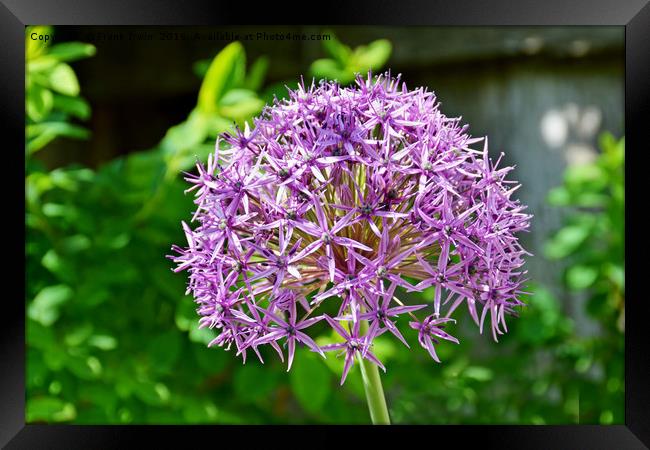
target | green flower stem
x=372, y=386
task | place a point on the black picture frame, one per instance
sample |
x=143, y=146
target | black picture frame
x=633, y=15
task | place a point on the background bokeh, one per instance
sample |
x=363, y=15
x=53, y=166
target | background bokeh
x=114, y=114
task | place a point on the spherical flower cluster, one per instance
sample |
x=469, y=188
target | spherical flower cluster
x=337, y=198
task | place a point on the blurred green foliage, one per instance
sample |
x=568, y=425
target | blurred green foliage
x=112, y=339
x=343, y=62
x=52, y=90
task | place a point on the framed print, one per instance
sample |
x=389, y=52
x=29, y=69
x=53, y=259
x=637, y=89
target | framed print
x=376, y=219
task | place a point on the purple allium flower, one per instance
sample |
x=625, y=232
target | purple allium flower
x=354, y=344
x=430, y=329
x=339, y=200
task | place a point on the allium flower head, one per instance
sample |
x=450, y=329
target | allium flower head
x=340, y=199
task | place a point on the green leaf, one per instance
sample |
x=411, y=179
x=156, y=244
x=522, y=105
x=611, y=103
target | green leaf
x=154, y=394
x=84, y=367
x=613, y=155
x=74, y=106
x=49, y=409
x=202, y=335
x=40, y=134
x=373, y=56
x=478, y=373
x=41, y=64
x=196, y=412
x=256, y=73
x=591, y=200
x=345, y=63
x=310, y=381
x=607, y=141
x=225, y=72
x=103, y=342
x=187, y=134
x=37, y=184
x=57, y=210
x=584, y=177
x=329, y=69
x=429, y=294
x=558, y=196
x=336, y=49
x=59, y=266
x=581, y=276
x=243, y=110
x=82, y=174
x=72, y=51
x=57, y=129
x=44, y=309
x=39, y=142
x=63, y=79
x=566, y=241
x=217, y=126
x=616, y=274
x=235, y=96
x=39, y=102
x=75, y=243
x=78, y=335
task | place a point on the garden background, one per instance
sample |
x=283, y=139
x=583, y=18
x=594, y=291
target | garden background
x=111, y=122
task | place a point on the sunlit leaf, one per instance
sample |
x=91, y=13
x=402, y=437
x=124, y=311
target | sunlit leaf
x=41, y=64
x=41, y=134
x=558, y=196
x=329, y=69
x=235, y=96
x=45, y=306
x=243, y=109
x=71, y=51
x=202, y=335
x=75, y=106
x=478, y=373
x=39, y=102
x=336, y=49
x=566, y=241
x=49, y=409
x=84, y=367
x=581, y=276
x=186, y=134
x=256, y=73
x=78, y=335
x=103, y=342
x=63, y=79
x=153, y=394
x=373, y=56
x=225, y=72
